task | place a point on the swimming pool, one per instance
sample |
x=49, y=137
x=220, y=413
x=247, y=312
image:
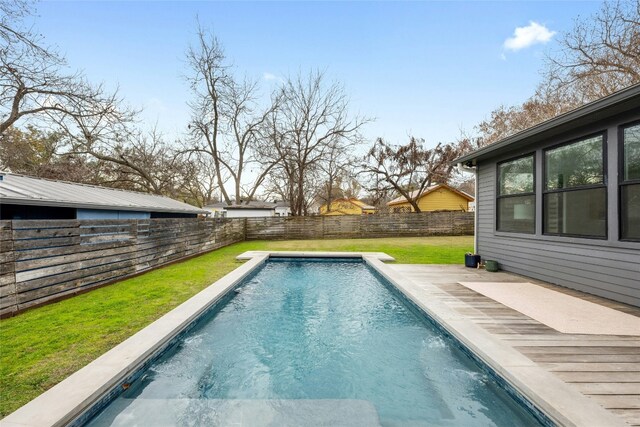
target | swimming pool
x=313, y=341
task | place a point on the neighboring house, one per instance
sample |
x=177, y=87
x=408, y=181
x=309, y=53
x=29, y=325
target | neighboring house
x=251, y=209
x=560, y=201
x=472, y=206
x=216, y=210
x=282, y=208
x=26, y=197
x=439, y=197
x=347, y=206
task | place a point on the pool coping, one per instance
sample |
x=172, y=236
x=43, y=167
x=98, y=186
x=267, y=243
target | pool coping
x=381, y=256
x=71, y=398
x=563, y=404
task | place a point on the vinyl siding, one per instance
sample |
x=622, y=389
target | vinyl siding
x=609, y=268
x=341, y=207
x=441, y=199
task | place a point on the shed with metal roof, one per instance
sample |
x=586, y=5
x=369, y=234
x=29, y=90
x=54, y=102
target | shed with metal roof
x=27, y=197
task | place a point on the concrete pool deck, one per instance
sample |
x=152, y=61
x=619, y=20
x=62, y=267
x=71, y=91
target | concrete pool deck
x=473, y=319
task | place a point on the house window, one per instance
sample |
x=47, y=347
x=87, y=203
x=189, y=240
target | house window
x=575, y=195
x=516, y=201
x=630, y=183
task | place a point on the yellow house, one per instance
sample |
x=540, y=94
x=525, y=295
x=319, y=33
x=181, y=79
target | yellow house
x=440, y=197
x=350, y=206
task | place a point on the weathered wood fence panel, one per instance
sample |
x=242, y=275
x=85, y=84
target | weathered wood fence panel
x=352, y=226
x=44, y=260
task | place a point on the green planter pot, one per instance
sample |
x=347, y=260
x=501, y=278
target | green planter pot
x=491, y=265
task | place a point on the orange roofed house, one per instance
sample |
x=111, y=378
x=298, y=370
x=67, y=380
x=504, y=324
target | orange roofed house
x=439, y=197
x=350, y=206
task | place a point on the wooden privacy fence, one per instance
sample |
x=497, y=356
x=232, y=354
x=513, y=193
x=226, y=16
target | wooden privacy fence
x=360, y=226
x=44, y=260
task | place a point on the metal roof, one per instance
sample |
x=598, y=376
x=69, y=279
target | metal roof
x=254, y=204
x=27, y=190
x=619, y=102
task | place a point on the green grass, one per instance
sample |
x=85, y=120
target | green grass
x=41, y=347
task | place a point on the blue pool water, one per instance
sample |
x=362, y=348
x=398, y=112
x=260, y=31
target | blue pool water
x=315, y=343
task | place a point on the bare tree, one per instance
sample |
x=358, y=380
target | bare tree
x=249, y=127
x=34, y=81
x=505, y=121
x=227, y=122
x=599, y=56
x=312, y=119
x=410, y=169
x=335, y=171
x=47, y=155
x=208, y=81
x=34, y=152
x=132, y=159
x=198, y=182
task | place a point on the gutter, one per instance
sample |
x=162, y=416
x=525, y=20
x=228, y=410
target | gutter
x=629, y=94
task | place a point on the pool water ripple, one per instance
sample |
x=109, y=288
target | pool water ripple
x=298, y=334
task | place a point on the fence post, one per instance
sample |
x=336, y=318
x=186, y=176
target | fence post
x=8, y=287
x=135, y=225
x=244, y=229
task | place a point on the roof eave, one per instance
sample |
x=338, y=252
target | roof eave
x=52, y=203
x=248, y=208
x=586, y=110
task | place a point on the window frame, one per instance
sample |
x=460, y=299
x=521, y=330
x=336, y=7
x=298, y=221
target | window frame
x=506, y=196
x=545, y=191
x=621, y=180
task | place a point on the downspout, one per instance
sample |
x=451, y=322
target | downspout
x=474, y=170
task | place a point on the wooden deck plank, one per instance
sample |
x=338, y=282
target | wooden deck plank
x=631, y=416
x=605, y=368
x=599, y=377
x=591, y=367
x=578, y=350
x=609, y=388
x=586, y=358
x=542, y=342
x=618, y=402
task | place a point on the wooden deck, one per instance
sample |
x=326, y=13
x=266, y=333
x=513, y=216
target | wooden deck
x=605, y=368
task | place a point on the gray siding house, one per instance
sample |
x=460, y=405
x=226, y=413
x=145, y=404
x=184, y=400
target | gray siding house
x=560, y=201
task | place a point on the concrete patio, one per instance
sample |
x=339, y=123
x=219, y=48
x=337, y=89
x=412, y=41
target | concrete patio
x=605, y=368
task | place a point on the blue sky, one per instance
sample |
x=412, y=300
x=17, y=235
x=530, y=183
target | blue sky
x=427, y=69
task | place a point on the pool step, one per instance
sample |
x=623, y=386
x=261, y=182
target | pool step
x=239, y=412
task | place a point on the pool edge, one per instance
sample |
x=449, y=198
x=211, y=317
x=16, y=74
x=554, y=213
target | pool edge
x=561, y=403
x=78, y=393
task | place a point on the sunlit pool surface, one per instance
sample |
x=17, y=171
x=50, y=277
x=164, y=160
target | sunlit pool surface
x=311, y=342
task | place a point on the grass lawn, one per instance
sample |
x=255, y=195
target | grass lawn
x=41, y=347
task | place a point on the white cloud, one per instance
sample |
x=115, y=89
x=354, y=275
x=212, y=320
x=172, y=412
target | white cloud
x=269, y=76
x=524, y=37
